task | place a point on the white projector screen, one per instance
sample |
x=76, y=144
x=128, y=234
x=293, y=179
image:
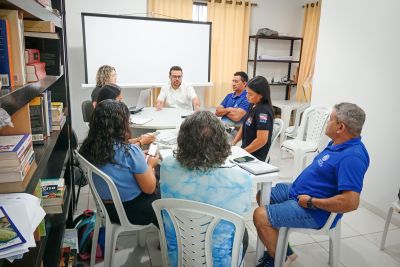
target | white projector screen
x=142, y=50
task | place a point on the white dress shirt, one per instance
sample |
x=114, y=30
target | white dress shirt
x=180, y=98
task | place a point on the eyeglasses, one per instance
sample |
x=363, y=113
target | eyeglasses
x=176, y=77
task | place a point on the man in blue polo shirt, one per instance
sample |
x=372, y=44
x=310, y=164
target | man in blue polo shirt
x=235, y=105
x=332, y=183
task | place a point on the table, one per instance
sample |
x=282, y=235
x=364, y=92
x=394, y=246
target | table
x=264, y=180
x=287, y=106
x=167, y=118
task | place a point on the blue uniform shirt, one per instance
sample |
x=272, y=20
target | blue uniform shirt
x=337, y=168
x=235, y=101
x=128, y=162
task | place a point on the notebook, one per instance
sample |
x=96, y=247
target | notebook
x=141, y=102
x=257, y=167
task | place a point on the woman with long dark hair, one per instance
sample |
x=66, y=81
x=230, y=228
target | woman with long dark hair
x=107, y=147
x=256, y=130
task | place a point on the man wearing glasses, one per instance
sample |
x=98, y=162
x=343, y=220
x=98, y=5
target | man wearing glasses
x=176, y=93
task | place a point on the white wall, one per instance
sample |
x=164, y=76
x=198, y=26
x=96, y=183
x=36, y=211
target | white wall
x=286, y=17
x=357, y=61
x=74, y=8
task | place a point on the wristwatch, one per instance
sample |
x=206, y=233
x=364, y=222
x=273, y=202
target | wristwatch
x=310, y=204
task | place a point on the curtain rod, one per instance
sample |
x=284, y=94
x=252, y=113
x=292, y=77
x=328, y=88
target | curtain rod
x=228, y=2
x=311, y=4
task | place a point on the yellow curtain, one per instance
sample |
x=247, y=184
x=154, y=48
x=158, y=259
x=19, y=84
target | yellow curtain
x=312, y=12
x=174, y=9
x=229, y=46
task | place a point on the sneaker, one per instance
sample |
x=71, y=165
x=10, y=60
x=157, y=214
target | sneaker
x=265, y=261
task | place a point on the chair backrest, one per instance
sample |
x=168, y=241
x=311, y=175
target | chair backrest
x=313, y=123
x=194, y=223
x=87, y=110
x=277, y=130
x=299, y=111
x=88, y=170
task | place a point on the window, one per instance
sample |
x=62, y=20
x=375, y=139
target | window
x=199, y=11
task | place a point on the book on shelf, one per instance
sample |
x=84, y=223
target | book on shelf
x=15, y=19
x=39, y=26
x=57, y=111
x=6, y=67
x=13, y=174
x=19, y=186
x=46, y=35
x=52, y=191
x=57, y=126
x=35, y=72
x=70, y=248
x=32, y=56
x=12, y=147
x=41, y=229
x=20, y=215
x=50, y=53
x=56, y=208
x=10, y=235
x=38, y=122
x=45, y=105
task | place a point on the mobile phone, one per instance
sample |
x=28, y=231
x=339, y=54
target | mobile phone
x=243, y=159
x=152, y=149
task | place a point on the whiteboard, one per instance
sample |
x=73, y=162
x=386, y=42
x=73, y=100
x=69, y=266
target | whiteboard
x=142, y=50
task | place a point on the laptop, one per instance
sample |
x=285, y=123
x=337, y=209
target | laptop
x=141, y=102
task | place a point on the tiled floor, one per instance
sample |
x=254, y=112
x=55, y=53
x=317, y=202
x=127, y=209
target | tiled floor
x=360, y=238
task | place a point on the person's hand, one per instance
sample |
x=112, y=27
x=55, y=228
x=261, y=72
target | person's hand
x=146, y=139
x=153, y=161
x=159, y=106
x=302, y=200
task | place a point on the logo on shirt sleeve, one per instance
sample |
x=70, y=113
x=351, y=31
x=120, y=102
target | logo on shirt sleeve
x=249, y=121
x=263, y=117
x=323, y=159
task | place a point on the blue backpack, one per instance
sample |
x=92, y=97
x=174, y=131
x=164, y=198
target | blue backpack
x=84, y=224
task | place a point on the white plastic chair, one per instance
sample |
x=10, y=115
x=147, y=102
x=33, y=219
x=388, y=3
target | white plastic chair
x=102, y=218
x=394, y=207
x=194, y=223
x=334, y=240
x=291, y=131
x=277, y=130
x=308, y=137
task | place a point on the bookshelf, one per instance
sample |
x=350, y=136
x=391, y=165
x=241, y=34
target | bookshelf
x=54, y=157
x=255, y=60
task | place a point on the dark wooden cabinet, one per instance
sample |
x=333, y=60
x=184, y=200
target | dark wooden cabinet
x=254, y=58
x=54, y=158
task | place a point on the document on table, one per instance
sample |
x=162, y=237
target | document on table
x=257, y=167
x=139, y=121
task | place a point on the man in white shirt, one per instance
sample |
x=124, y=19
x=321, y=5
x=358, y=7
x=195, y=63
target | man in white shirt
x=176, y=93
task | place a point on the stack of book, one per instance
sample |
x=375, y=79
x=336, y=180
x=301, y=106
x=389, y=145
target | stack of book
x=16, y=157
x=57, y=116
x=53, y=194
x=70, y=248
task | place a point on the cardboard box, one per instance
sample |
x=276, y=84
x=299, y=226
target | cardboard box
x=39, y=26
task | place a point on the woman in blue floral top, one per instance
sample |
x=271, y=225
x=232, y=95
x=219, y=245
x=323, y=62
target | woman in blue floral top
x=196, y=172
